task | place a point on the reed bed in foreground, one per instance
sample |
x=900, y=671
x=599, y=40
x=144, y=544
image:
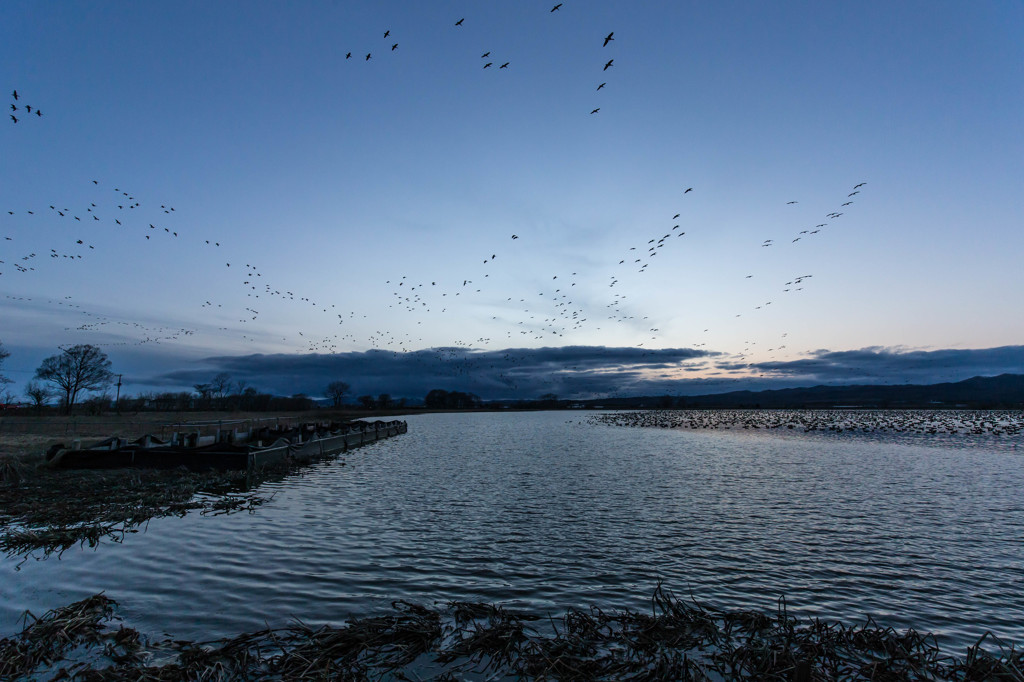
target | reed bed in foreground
x=677, y=640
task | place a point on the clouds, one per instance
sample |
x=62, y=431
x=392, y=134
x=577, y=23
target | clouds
x=492, y=374
x=878, y=365
x=587, y=371
x=526, y=373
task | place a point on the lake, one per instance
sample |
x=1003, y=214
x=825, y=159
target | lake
x=545, y=510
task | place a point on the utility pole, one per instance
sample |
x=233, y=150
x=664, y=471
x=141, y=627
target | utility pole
x=117, y=400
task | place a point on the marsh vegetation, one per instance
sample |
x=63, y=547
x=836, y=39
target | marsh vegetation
x=677, y=639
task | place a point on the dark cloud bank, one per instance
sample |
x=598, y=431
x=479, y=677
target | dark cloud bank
x=586, y=371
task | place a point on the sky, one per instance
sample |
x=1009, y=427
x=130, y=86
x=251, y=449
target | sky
x=760, y=195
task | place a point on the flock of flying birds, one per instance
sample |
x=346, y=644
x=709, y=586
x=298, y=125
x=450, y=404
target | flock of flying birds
x=555, y=311
x=19, y=108
x=547, y=315
x=487, y=60
x=551, y=313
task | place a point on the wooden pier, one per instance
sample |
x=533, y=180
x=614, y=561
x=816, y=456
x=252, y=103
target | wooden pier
x=227, y=449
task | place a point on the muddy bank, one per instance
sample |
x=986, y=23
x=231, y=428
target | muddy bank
x=46, y=511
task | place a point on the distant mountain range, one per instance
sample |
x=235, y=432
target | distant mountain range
x=1003, y=391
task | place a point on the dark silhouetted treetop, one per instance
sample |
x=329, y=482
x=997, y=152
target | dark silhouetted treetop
x=3, y=356
x=76, y=369
x=336, y=391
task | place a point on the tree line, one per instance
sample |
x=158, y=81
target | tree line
x=82, y=376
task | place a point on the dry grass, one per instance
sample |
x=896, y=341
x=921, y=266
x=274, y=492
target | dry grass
x=56, y=428
x=677, y=641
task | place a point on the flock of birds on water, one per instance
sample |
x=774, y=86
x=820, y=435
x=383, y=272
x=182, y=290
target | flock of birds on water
x=914, y=422
x=548, y=315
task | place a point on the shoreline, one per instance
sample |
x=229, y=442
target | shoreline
x=50, y=510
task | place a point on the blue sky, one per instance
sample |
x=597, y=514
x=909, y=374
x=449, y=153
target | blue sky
x=361, y=198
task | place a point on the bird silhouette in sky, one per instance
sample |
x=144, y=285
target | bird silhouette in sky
x=504, y=66
x=688, y=190
x=601, y=85
x=606, y=66
x=459, y=22
x=608, y=39
x=558, y=6
x=596, y=110
x=368, y=55
x=387, y=33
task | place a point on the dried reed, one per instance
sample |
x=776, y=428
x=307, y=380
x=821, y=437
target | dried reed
x=678, y=640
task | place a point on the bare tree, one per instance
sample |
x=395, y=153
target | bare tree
x=336, y=391
x=221, y=387
x=234, y=395
x=3, y=356
x=76, y=369
x=204, y=391
x=38, y=394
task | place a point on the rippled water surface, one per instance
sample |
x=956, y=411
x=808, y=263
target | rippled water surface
x=542, y=510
